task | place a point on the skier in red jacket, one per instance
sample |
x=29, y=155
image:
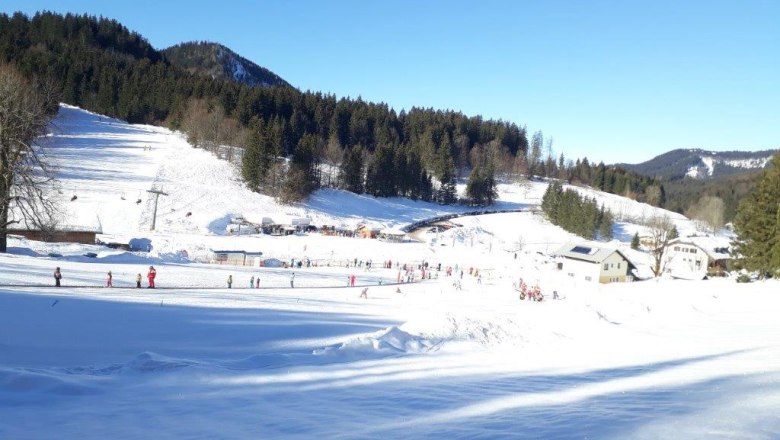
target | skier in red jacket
x=152, y=273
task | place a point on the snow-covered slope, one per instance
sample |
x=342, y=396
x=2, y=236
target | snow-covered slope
x=707, y=165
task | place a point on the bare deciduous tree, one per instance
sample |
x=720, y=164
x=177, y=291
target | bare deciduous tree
x=708, y=211
x=661, y=232
x=209, y=128
x=25, y=111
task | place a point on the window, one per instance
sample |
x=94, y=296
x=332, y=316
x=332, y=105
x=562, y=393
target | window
x=618, y=265
x=606, y=266
x=588, y=278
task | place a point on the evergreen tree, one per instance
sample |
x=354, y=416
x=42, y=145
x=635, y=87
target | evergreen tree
x=635, y=241
x=381, y=173
x=351, y=173
x=605, y=226
x=300, y=180
x=250, y=162
x=757, y=225
x=481, y=187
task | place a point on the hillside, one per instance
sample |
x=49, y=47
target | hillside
x=701, y=164
x=109, y=165
x=218, y=61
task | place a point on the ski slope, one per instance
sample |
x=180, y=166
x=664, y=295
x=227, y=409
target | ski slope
x=193, y=359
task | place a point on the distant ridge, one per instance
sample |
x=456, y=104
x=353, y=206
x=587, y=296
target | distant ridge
x=218, y=61
x=701, y=164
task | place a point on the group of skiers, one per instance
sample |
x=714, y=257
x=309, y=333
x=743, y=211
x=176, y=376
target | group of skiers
x=254, y=283
x=150, y=276
x=532, y=294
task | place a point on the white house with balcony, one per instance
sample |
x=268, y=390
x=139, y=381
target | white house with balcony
x=694, y=258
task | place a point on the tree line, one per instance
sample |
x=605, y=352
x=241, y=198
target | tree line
x=577, y=214
x=100, y=65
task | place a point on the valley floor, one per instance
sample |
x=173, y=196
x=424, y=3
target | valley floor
x=655, y=359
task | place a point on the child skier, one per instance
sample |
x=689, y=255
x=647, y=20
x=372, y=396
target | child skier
x=138, y=281
x=109, y=280
x=151, y=276
x=230, y=281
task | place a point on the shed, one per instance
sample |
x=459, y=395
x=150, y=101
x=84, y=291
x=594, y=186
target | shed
x=392, y=235
x=594, y=264
x=365, y=230
x=62, y=235
x=236, y=257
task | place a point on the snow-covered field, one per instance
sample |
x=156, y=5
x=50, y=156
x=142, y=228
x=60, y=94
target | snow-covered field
x=193, y=359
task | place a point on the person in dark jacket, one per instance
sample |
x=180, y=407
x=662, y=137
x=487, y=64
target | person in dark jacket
x=57, y=277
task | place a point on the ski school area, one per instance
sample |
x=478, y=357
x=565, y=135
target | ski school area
x=336, y=348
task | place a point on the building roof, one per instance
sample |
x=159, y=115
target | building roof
x=235, y=251
x=588, y=253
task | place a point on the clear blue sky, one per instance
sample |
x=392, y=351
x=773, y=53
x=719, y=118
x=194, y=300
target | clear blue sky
x=610, y=80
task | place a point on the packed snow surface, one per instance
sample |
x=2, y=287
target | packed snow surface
x=193, y=358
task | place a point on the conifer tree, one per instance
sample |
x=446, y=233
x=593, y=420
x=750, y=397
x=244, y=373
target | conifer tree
x=635, y=241
x=757, y=225
x=250, y=162
x=606, y=224
x=351, y=173
x=481, y=187
x=300, y=180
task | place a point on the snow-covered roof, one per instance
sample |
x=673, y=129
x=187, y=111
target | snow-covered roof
x=235, y=251
x=392, y=231
x=371, y=226
x=587, y=252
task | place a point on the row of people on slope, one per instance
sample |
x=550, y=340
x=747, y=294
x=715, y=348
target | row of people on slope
x=150, y=276
x=254, y=283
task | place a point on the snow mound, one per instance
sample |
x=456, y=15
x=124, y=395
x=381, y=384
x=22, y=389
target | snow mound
x=146, y=362
x=390, y=341
x=149, y=362
x=26, y=381
x=433, y=334
x=495, y=330
x=468, y=234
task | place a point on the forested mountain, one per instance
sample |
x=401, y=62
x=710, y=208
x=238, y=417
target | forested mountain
x=701, y=164
x=681, y=194
x=218, y=61
x=692, y=175
x=291, y=142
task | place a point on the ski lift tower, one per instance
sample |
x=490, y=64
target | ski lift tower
x=157, y=193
